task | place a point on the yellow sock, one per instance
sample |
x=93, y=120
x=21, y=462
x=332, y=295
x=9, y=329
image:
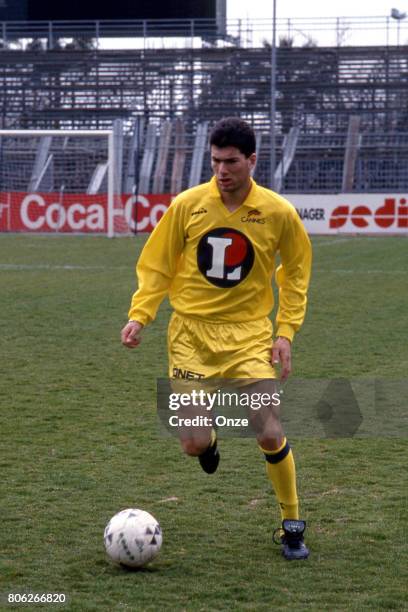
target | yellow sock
x=280, y=468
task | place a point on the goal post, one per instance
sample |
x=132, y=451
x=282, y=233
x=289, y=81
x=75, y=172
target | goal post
x=61, y=181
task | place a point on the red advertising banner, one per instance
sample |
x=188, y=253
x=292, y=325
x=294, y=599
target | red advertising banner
x=82, y=213
x=51, y=212
x=79, y=213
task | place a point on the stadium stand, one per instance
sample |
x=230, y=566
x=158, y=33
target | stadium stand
x=347, y=104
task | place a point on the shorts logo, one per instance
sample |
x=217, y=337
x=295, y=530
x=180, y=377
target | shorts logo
x=186, y=374
x=225, y=256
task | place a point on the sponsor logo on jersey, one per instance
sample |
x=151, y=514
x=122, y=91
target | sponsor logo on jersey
x=225, y=256
x=200, y=211
x=253, y=217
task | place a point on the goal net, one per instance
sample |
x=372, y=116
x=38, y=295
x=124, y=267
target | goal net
x=61, y=182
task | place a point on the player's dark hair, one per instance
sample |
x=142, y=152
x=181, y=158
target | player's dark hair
x=234, y=132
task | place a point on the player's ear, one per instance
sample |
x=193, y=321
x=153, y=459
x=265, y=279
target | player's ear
x=252, y=161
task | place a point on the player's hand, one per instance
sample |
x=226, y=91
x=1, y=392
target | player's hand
x=130, y=334
x=282, y=355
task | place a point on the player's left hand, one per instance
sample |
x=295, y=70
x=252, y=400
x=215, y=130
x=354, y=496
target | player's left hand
x=282, y=355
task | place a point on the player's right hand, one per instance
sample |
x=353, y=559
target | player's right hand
x=130, y=334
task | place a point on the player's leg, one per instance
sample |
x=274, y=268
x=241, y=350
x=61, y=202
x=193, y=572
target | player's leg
x=280, y=465
x=203, y=446
x=187, y=349
x=280, y=468
x=251, y=359
x=198, y=437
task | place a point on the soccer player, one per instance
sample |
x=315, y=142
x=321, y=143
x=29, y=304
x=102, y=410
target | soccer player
x=213, y=252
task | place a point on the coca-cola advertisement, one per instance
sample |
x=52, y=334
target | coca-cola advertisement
x=83, y=213
x=80, y=213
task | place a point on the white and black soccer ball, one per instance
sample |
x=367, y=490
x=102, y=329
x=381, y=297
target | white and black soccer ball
x=133, y=537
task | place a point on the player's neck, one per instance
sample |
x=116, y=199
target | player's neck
x=234, y=199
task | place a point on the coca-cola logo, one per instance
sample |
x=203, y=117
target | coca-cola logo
x=37, y=214
x=140, y=214
x=389, y=214
x=84, y=213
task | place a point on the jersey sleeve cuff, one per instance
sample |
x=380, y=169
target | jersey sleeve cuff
x=286, y=331
x=140, y=317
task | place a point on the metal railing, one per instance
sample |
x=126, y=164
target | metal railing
x=187, y=33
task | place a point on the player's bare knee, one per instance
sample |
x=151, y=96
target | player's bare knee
x=194, y=446
x=271, y=436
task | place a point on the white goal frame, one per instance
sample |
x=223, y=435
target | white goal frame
x=111, y=179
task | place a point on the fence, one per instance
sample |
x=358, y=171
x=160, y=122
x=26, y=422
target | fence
x=75, y=83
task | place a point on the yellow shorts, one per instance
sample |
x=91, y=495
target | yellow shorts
x=199, y=349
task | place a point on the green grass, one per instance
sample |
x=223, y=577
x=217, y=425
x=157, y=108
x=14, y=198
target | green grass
x=80, y=441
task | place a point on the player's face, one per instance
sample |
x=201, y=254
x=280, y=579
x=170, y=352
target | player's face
x=231, y=168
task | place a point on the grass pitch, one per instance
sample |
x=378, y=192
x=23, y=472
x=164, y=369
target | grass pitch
x=80, y=441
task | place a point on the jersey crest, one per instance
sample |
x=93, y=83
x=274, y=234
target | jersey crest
x=225, y=256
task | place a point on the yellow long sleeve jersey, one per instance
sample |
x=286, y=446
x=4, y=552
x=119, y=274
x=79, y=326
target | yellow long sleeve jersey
x=218, y=265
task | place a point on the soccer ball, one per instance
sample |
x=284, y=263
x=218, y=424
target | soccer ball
x=132, y=537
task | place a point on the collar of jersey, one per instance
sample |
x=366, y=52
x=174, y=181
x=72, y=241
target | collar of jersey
x=251, y=199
